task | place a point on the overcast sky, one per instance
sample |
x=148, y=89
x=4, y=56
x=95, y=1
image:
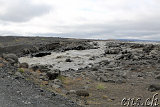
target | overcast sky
x=101, y=19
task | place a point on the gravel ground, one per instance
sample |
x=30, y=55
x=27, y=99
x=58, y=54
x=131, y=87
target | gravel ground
x=15, y=91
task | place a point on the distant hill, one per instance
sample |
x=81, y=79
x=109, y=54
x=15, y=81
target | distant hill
x=138, y=40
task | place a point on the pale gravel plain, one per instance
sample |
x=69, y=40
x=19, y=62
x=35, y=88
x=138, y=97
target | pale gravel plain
x=80, y=58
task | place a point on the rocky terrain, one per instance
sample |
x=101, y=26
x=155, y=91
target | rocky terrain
x=17, y=91
x=89, y=73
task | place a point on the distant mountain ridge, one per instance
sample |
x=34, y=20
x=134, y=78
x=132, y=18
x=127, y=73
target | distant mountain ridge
x=138, y=40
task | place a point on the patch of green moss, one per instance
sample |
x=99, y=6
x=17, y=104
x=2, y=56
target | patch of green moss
x=21, y=70
x=100, y=87
x=62, y=78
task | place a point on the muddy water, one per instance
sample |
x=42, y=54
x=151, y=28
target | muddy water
x=80, y=58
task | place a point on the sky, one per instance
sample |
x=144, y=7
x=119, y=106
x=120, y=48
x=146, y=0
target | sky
x=94, y=19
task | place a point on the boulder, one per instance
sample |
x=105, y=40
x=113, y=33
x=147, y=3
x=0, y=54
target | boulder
x=68, y=60
x=95, y=43
x=157, y=76
x=41, y=54
x=55, y=86
x=104, y=62
x=80, y=47
x=125, y=51
x=34, y=49
x=34, y=67
x=82, y=93
x=119, y=56
x=148, y=48
x=137, y=46
x=92, y=58
x=11, y=58
x=26, y=51
x=154, y=87
x=71, y=92
x=111, y=79
x=112, y=51
x=41, y=68
x=112, y=45
x=52, y=46
x=77, y=46
x=23, y=65
x=135, y=57
x=53, y=74
x=18, y=75
x=58, y=82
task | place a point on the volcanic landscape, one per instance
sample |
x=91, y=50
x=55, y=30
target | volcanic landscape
x=67, y=72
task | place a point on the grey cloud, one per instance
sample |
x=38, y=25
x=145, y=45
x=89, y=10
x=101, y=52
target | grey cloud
x=7, y=33
x=146, y=24
x=146, y=28
x=23, y=10
x=140, y=29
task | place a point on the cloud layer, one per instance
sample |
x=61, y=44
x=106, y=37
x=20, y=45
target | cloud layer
x=102, y=19
x=21, y=10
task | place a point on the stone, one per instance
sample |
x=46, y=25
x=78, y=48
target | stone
x=137, y=46
x=157, y=76
x=23, y=65
x=125, y=51
x=104, y=62
x=41, y=68
x=18, y=75
x=34, y=49
x=135, y=57
x=26, y=51
x=41, y=54
x=92, y=58
x=71, y=92
x=12, y=58
x=82, y=93
x=158, y=61
x=115, y=50
x=52, y=46
x=68, y=60
x=80, y=48
x=53, y=74
x=120, y=56
x=56, y=86
x=11, y=61
x=85, y=87
x=148, y=48
x=34, y=67
x=154, y=87
x=156, y=73
x=58, y=82
x=106, y=79
x=95, y=43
